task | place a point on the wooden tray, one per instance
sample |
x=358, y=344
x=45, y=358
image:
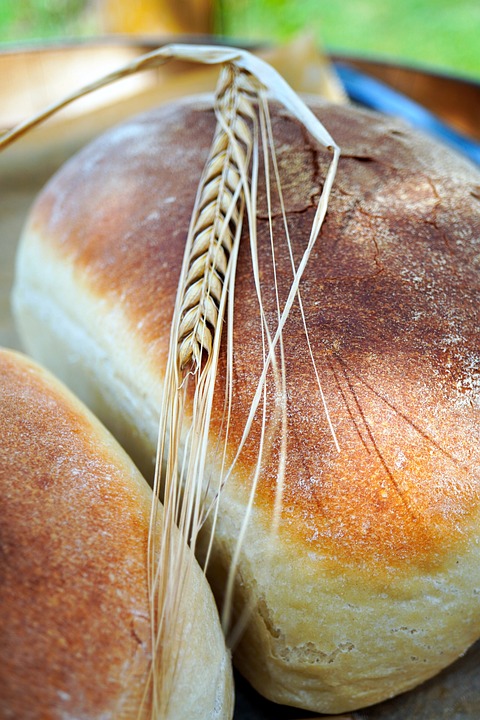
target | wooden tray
x=32, y=78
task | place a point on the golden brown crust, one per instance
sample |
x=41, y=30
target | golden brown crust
x=376, y=537
x=73, y=548
x=390, y=295
x=75, y=622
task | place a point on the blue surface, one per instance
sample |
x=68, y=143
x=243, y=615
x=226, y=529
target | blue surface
x=372, y=93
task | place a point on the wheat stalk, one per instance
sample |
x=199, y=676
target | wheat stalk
x=204, y=304
x=208, y=269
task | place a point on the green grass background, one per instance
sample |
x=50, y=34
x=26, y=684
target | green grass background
x=440, y=34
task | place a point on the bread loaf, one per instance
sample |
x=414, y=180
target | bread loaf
x=75, y=623
x=373, y=582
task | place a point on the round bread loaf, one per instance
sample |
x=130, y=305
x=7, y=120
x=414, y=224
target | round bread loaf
x=75, y=625
x=373, y=582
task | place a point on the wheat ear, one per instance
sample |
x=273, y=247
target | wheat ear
x=218, y=214
x=202, y=300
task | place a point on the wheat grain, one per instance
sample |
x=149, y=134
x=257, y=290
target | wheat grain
x=217, y=216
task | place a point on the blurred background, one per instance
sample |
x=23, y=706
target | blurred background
x=436, y=34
